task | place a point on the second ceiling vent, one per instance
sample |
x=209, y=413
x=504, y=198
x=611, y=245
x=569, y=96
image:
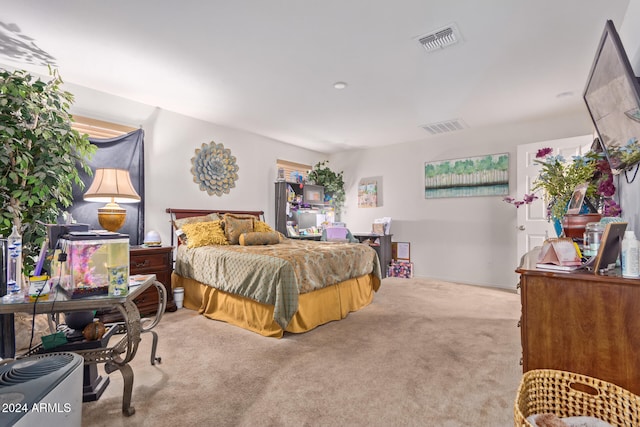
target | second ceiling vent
x=445, y=127
x=441, y=38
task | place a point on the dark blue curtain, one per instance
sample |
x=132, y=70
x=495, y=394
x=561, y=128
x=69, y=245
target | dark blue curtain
x=123, y=152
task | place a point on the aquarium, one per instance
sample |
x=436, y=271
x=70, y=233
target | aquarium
x=93, y=266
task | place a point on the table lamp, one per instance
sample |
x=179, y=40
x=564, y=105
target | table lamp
x=111, y=186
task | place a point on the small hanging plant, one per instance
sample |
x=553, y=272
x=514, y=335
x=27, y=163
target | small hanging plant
x=332, y=182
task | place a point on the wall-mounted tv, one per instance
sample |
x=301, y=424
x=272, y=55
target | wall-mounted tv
x=612, y=96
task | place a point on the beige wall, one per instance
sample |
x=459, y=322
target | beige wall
x=170, y=142
x=468, y=240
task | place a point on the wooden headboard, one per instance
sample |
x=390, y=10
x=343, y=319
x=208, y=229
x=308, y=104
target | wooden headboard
x=188, y=213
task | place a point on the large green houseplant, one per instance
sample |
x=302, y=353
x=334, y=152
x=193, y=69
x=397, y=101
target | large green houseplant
x=39, y=155
x=332, y=182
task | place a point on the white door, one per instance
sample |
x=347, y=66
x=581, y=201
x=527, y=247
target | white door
x=532, y=222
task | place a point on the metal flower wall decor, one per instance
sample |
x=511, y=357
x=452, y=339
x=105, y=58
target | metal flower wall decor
x=214, y=169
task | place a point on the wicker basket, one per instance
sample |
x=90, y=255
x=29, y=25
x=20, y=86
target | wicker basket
x=566, y=394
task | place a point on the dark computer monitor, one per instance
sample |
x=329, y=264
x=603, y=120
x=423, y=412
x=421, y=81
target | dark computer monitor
x=307, y=219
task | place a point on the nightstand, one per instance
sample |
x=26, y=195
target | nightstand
x=148, y=260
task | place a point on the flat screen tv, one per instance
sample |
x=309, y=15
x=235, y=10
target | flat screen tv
x=612, y=96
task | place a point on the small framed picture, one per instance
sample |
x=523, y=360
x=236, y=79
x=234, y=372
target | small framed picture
x=401, y=251
x=577, y=199
x=610, y=246
x=377, y=229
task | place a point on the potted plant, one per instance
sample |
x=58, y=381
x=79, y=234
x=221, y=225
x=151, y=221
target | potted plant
x=558, y=178
x=332, y=182
x=39, y=156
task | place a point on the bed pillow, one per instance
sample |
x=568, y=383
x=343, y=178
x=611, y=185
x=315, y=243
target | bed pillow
x=236, y=224
x=204, y=234
x=259, y=238
x=179, y=223
x=262, y=227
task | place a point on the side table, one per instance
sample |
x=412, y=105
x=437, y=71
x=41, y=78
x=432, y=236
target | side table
x=152, y=260
x=117, y=356
x=383, y=249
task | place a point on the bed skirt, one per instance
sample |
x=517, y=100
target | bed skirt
x=315, y=308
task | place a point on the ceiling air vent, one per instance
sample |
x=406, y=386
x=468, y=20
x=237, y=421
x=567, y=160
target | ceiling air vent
x=441, y=38
x=444, y=127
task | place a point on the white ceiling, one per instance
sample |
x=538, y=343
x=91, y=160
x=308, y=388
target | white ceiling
x=268, y=66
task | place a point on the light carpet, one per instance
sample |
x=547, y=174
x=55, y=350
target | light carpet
x=423, y=353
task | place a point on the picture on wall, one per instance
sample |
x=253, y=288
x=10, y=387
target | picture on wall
x=214, y=169
x=466, y=177
x=367, y=194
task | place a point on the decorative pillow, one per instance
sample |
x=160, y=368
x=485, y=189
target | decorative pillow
x=259, y=238
x=204, y=234
x=262, y=227
x=235, y=225
x=179, y=223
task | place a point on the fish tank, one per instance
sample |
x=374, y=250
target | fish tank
x=94, y=265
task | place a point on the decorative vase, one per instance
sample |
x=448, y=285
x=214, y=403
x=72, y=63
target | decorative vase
x=557, y=226
x=573, y=225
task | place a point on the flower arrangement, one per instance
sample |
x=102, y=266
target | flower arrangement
x=558, y=179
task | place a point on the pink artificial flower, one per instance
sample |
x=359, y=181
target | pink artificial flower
x=543, y=152
x=528, y=198
x=606, y=187
x=611, y=208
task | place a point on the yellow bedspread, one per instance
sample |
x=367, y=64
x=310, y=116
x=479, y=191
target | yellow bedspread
x=277, y=274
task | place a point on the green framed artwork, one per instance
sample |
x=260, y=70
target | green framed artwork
x=467, y=177
x=367, y=194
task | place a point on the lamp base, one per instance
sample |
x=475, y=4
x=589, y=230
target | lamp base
x=112, y=217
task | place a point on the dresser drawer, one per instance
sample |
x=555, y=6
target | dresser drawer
x=140, y=263
x=148, y=299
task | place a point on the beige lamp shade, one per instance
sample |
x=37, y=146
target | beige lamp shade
x=111, y=186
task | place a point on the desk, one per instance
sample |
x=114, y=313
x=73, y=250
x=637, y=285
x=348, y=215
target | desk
x=131, y=327
x=383, y=249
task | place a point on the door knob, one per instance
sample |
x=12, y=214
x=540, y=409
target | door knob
x=521, y=227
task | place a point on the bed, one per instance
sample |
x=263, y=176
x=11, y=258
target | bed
x=287, y=285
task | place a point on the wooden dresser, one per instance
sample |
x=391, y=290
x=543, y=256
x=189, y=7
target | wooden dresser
x=582, y=323
x=148, y=260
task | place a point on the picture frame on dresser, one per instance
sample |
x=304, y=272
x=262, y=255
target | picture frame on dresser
x=610, y=246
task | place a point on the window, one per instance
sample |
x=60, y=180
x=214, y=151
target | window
x=98, y=128
x=290, y=169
